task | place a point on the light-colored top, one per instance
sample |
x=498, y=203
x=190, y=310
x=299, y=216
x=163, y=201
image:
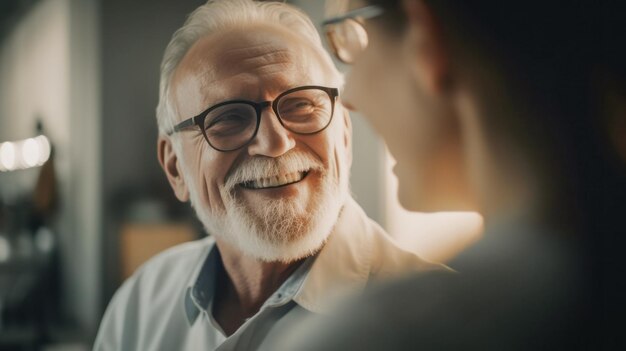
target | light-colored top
x=523, y=287
x=167, y=303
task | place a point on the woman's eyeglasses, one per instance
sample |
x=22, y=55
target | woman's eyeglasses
x=346, y=34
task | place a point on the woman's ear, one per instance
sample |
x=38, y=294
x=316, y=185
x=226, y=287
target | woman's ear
x=171, y=165
x=425, y=47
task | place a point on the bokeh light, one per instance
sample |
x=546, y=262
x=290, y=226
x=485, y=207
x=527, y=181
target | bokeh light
x=7, y=156
x=24, y=154
x=44, y=149
x=31, y=152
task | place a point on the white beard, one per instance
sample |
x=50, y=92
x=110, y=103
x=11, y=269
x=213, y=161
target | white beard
x=282, y=230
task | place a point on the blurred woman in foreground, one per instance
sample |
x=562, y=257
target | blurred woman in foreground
x=501, y=108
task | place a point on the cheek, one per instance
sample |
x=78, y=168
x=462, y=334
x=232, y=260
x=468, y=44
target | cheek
x=363, y=90
x=320, y=145
x=207, y=169
x=329, y=146
x=379, y=88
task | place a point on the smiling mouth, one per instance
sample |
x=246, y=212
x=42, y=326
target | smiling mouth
x=274, y=182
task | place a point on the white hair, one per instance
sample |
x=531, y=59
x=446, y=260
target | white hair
x=302, y=226
x=283, y=229
x=217, y=15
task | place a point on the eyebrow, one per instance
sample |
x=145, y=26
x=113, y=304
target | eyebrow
x=240, y=97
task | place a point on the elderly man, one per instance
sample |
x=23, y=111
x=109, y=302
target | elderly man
x=254, y=136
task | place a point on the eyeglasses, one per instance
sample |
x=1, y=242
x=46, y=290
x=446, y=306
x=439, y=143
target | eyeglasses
x=231, y=125
x=346, y=34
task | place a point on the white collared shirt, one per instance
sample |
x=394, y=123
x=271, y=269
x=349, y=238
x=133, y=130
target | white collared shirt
x=167, y=303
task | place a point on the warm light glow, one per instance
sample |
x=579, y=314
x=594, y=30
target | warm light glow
x=24, y=154
x=44, y=149
x=7, y=156
x=438, y=236
x=31, y=152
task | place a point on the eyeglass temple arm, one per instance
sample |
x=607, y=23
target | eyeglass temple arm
x=366, y=12
x=182, y=125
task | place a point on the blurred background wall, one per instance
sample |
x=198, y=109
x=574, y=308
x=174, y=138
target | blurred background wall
x=88, y=71
x=134, y=35
x=49, y=69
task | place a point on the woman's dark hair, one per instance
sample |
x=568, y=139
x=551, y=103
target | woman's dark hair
x=554, y=55
x=564, y=57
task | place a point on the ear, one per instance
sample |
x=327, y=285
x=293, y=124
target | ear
x=171, y=165
x=425, y=47
x=347, y=136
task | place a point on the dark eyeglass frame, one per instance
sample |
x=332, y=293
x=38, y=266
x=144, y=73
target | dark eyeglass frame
x=363, y=13
x=198, y=120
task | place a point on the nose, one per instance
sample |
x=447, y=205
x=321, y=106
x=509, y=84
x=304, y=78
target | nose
x=272, y=139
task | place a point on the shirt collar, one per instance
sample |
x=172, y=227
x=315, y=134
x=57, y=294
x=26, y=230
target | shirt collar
x=343, y=265
x=201, y=287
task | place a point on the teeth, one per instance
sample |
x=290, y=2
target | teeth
x=275, y=181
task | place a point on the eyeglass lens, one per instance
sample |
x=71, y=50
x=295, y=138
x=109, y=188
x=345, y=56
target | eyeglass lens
x=348, y=39
x=231, y=126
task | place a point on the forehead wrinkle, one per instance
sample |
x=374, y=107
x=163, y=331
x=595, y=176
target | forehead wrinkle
x=252, y=51
x=278, y=67
x=259, y=58
x=213, y=92
x=253, y=60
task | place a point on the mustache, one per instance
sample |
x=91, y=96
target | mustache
x=265, y=167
